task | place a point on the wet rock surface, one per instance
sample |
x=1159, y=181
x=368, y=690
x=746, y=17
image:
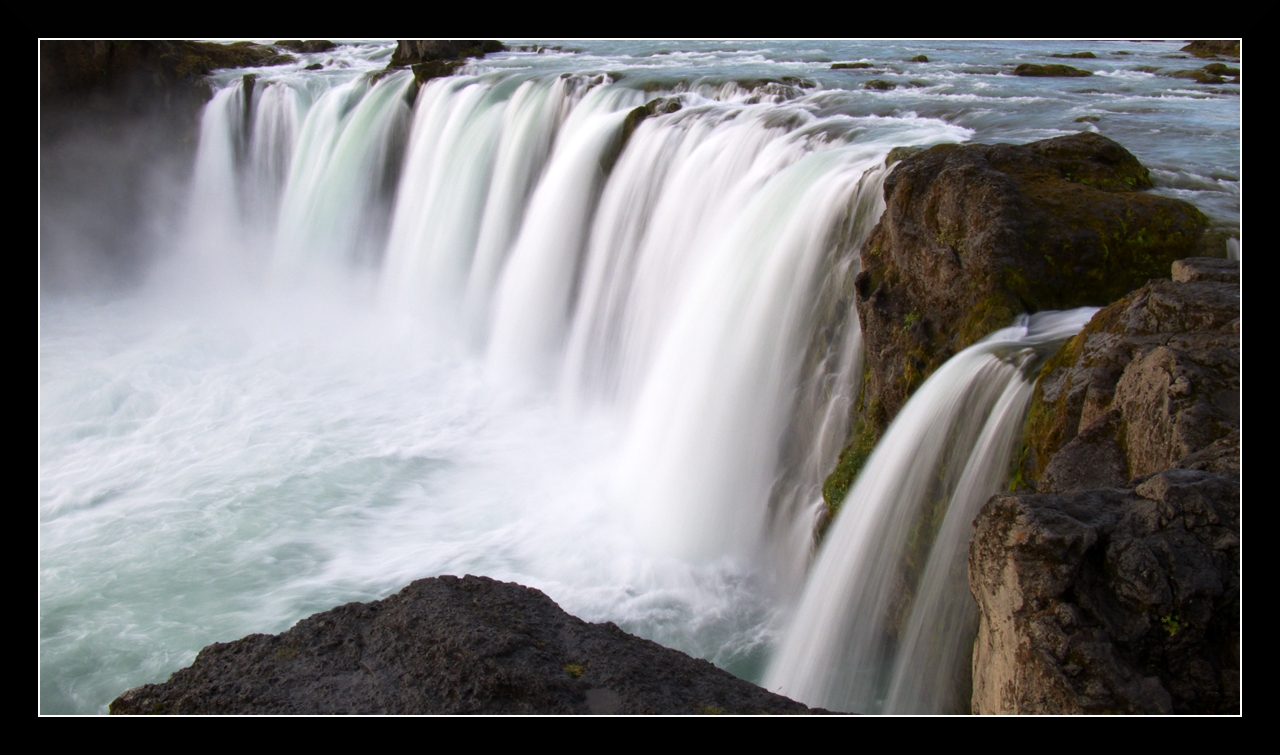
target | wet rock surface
x=1110, y=600
x=973, y=235
x=450, y=645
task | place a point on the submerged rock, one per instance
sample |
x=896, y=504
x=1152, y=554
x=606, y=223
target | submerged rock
x=1053, y=69
x=919, y=59
x=839, y=66
x=1198, y=76
x=450, y=645
x=879, y=85
x=973, y=235
x=1110, y=600
x=1073, y=55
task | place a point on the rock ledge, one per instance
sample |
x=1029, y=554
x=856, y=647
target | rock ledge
x=450, y=645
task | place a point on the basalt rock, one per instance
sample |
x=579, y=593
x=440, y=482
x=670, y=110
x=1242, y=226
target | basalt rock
x=1152, y=382
x=411, y=51
x=448, y=646
x=1115, y=588
x=128, y=74
x=1110, y=600
x=1053, y=69
x=1209, y=48
x=973, y=235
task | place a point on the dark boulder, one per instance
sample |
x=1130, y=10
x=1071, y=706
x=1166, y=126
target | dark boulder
x=1053, y=69
x=411, y=51
x=973, y=235
x=306, y=45
x=840, y=66
x=1151, y=382
x=919, y=59
x=880, y=85
x=1073, y=55
x=1110, y=600
x=1211, y=48
x=447, y=646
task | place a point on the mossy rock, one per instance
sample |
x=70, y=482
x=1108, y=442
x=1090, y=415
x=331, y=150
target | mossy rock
x=1148, y=69
x=1088, y=119
x=314, y=67
x=919, y=59
x=1073, y=55
x=879, y=85
x=1211, y=48
x=1198, y=76
x=974, y=235
x=1221, y=69
x=842, y=66
x=1050, y=70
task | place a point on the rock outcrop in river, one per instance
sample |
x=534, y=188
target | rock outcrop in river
x=973, y=235
x=1115, y=588
x=450, y=645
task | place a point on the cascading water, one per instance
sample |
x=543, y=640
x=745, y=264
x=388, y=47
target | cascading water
x=886, y=622
x=489, y=326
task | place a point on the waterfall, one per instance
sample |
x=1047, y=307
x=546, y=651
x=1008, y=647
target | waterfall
x=886, y=621
x=692, y=284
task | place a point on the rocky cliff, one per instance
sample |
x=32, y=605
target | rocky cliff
x=450, y=645
x=973, y=235
x=1115, y=587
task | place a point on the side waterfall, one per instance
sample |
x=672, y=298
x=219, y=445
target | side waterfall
x=886, y=622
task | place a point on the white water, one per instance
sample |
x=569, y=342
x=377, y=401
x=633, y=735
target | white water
x=395, y=343
x=397, y=340
x=853, y=645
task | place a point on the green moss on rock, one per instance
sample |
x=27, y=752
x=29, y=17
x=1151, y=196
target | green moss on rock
x=1050, y=70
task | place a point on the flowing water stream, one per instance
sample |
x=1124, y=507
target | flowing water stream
x=480, y=327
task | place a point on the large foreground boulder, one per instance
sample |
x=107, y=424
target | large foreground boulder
x=450, y=645
x=973, y=235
